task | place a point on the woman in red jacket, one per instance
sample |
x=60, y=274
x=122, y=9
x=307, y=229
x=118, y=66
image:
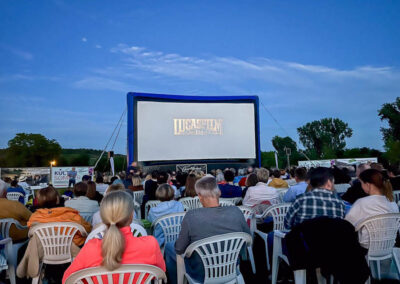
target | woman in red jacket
x=118, y=246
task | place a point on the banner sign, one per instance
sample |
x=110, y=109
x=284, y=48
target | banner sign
x=185, y=168
x=59, y=175
x=336, y=162
x=31, y=176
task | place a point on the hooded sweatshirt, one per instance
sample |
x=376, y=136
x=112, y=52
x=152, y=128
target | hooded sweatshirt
x=61, y=214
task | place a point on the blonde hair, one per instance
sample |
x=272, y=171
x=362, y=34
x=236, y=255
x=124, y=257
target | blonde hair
x=116, y=212
x=136, y=181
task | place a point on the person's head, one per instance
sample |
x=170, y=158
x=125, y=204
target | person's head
x=220, y=177
x=116, y=211
x=86, y=178
x=373, y=183
x=393, y=171
x=262, y=175
x=322, y=178
x=91, y=190
x=276, y=173
x=208, y=191
x=165, y=192
x=300, y=174
x=250, y=169
x=377, y=166
x=115, y=187
x=229, y=176
x=361, y=168
x=73, y=169
x=99, y=179
x=80, y=189
x=190, y=190
x=251, y=180
x=154, y=175
x=136, y=181
x=14, y=183
x=162, y=178
x=48, y=197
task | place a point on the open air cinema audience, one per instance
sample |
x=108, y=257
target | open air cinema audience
x=261, y=193
x=164, y=193
x=81, y=202
x=379, y=200
x=118, y=245
x=92, y=193
x=228, y=190
x=211, y=220
x=300, y=186
x=355, y=191
x=321, y=201
x=101, y=187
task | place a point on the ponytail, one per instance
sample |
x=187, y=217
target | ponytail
x=382, y=183
x=387, y=190
x=116, y=211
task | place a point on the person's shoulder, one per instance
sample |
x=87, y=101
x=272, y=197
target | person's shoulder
x=148, y=241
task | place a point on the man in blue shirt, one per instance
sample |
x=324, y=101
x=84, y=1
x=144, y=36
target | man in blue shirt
x=16, y=188
x=72, y=177
x=228, y=190
x=300, y=186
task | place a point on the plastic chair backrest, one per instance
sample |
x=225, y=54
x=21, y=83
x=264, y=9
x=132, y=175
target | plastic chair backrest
x=224, y=203
x=234, y=200
x=219, y=255
x=282, y=193
x=278, y=213
x=14, y=196
x=98, y=233
x=396, y=195
x=341, y=187
x=138, y=196
x=382, y=231
x=136, y=206
x=170, y=225
x=150, y=204
x=249, y=216
x=56, y=239
x=88, y=216
x=5, y=225
x=190, y=202
x=127, y=273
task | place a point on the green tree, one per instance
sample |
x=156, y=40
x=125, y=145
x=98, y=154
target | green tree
x=390, y=112
x=326, y=136
x=280, y=143
x=31, y=150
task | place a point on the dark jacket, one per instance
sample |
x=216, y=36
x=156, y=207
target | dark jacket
x=330, y=244
x=354, y=192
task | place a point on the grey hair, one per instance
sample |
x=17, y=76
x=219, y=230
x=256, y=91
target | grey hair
x=220, y=177
x=233, y=170
x=262, y=175
x=207, y=187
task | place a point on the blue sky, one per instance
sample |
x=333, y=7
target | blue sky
x=66, y=66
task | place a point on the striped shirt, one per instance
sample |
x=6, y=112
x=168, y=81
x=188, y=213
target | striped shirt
x=316, y=203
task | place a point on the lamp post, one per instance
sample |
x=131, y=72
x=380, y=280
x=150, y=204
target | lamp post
x=52, y=163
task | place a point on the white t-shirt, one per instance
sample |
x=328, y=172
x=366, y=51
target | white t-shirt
x=258, y=193
x=101, y=187
x=369, y=206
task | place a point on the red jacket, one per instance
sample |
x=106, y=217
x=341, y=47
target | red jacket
x=138, y=250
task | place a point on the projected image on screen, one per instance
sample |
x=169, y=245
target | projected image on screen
x=190, y=131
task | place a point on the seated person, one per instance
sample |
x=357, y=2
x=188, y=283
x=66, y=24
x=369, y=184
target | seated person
x=251, y=180
x=118, y=245
x=16, y=188
x=379, y=201
x=261, y=193
x=136, y=184
x=49, y=211
x=17, y=211
x=101, y=187
x=189, y=186
x=81, y=202
x=96, y=219
x=355, y=191
x=92, y=193
x=300, y=186
x=276, y=181
x=168, y=205
x=321, y=201
x=228, y=190
x=211, y=220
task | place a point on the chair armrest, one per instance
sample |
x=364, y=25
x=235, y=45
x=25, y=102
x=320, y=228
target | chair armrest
x=5, y=241
x=279, y=234
x=180, y=268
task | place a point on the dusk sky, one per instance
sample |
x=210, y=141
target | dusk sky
x=66, y=66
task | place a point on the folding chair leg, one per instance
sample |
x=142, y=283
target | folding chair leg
x=275, y=261
x=300, y=276
x=251, y=257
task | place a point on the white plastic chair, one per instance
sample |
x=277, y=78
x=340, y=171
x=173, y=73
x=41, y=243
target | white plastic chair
x=136, y=206
x=88, y=216
x=282, y=193
x=341, y=187
x=278, y=213
x=190, y=203
x=5, y=225
x=138, y=196
x=219, y=255
x=98, y=233
x=224, y=203
x=249, y=216
x=291, y=182
x=234, y=200
x=396, y=196
x=142, y=273
x=170, y=225
x=56, y=239
x=14, y=196
x=150, y=204
x=382, y=231
x=7, y=242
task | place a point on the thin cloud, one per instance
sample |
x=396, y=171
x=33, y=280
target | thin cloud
x=18, y=52
x=98, y=46
x=84, y=39
x=101, y=83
